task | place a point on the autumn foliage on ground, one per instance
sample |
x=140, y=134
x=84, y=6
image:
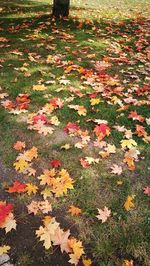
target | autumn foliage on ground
x=74, y=136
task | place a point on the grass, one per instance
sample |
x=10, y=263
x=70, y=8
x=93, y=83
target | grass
x=109, y=30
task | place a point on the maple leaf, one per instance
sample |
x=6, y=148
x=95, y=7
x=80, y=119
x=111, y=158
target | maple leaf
x=47, y=232
x=33, y=207
x=103, y=214
x=61, y=238
x=84, y=163
x=47, y=176
x=74, y=259
x=95, y=101
x=54, y=120
x=110, y=148
x=128, y=143
x=10, y=223
x=60, y=185
x=45, y=206
x=21, y=165
x=40, y=117
x=36, y=206
x=42, y=129
x=82, y=110
x=101, y=131
x=128, y=205
x=17, y=187
x=140, y=131
x=74, y=210
x=30, y=188
x=116, y=169
x=46, y=193
x=4, y=249
x=19, y=145
x=87, y=262
x=55, y=163
x=127, y=263
x=76, y=247
x=5, y=210
x=40, y=87
x=56, y=102
x=147, y=190
x=31, y=154
x=134, y=115
x=71, y=128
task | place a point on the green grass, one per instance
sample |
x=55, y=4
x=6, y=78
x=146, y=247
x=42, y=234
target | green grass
x=110, y=29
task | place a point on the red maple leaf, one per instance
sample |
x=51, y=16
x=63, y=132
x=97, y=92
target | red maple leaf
x=39, y=117
x=17, y=187
x=5, y=209
x=101, y=131
x=55, y=163
x=71, y=128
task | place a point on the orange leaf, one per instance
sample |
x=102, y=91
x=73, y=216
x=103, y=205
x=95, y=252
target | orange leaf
x=75, y=211
x=19, y=145
x=17, y=187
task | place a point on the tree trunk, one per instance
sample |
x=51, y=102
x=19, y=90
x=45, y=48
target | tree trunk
x=61, y=8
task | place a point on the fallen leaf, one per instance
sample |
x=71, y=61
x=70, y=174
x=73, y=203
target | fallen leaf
x=75, y=211
x=103, y=214
x=4, y=249
x=128, y=205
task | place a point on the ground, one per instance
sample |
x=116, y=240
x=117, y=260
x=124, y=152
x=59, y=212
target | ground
x=76, y=89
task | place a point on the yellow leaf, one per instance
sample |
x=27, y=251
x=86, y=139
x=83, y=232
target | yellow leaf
x=21, y=165
x=95, y=101
x=40, y=87
x=76, y=246
x=74, y=259
x=128, y=205
x=128, y=143
x=147, y=139
x=110, y=148
x=82, y=110
x=46, y=193
x=31, y=189
x=32, y=153
x=46, y=233
x=4, y=249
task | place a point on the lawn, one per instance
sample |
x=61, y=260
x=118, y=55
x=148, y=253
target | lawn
x=74, y=133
